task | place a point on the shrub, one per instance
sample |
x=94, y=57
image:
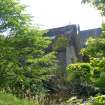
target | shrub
x=79, y=77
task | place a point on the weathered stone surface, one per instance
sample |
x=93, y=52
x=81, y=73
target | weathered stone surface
x=77, y=41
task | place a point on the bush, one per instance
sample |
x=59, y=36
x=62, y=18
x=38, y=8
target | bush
x=98, y=100
x=79, y=77
x=80, y=72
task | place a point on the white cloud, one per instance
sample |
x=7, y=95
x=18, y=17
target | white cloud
x=54, y=13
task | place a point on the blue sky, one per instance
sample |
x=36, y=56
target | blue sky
x=57, y=13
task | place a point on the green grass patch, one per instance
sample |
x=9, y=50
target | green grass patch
x=9, y=99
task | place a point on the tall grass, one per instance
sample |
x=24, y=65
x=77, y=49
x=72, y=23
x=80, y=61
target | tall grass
x=9, y=99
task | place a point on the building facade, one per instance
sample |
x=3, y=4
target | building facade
x=77, y=40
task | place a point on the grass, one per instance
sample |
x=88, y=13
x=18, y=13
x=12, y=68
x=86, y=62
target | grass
x=9, y=99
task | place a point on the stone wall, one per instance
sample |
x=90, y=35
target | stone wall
x=77, y=41
x=70, y=54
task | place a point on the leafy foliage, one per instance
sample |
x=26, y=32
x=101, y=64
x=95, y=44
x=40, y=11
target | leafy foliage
x=79, y=76
x=12, y=16
x=95, y=47
x=95, y=50
x=24, y=63
x=97, y=100
x=60, y=43
x=99, y=4
x=92, y=73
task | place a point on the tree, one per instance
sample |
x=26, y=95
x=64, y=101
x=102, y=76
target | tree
x=12, y=16
x=99, y=4
x=24, y=62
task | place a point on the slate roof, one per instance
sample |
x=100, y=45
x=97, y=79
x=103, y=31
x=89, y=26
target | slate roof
x=90, y=32
x=60, y=30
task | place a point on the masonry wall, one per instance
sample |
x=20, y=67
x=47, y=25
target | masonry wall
x=70, y=54
x=77, y=41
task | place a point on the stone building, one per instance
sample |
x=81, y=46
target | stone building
x=77, y=40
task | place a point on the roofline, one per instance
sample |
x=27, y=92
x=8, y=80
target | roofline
x=61, y=27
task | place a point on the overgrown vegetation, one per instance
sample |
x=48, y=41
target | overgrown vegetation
x=24, y=62
x=28, y=70
x=60, y=43
x=87, y=78
x=89, y=75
